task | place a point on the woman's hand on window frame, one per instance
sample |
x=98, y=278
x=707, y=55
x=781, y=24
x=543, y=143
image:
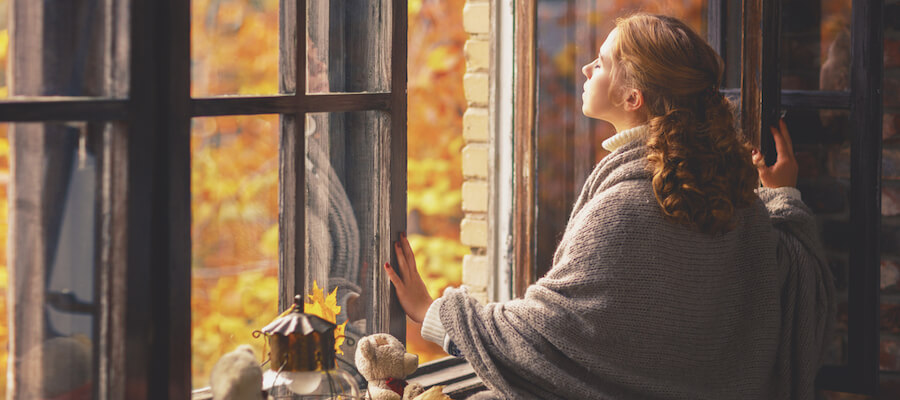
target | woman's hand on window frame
x=784, y=171
x=411, y=290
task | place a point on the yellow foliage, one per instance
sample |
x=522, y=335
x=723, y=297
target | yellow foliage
x=326, y=307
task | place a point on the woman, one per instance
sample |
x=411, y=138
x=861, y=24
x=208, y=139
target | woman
x=675, y=277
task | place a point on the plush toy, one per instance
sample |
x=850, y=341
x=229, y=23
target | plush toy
x=433, y=393
x=237, y=376
x=384, y=362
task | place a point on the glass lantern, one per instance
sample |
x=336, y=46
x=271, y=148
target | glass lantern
x=302, y=359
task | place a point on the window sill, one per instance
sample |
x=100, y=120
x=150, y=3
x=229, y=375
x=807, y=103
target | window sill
x=455, y=374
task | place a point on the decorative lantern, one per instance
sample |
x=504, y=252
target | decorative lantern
x=302, y=359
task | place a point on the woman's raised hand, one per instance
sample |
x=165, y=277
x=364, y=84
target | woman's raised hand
x=411, y=289
x=784, y=171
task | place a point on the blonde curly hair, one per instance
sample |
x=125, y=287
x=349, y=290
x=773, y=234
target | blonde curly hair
x=702, y=169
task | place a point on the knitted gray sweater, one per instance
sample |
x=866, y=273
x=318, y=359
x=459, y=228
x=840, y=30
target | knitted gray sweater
x=637, y=307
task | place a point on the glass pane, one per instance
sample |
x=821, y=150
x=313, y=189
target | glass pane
x=889, y=359
x=71, y=48
x=234, y=47
x=733, y=41
x=569, y=35
x=434, y=152
x=822, y=140
x=815, y=50
x=345, y=222
x=234, y=233
x=348, y=46
x=53, y=173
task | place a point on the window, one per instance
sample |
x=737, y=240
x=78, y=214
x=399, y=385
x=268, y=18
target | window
x=101, y=118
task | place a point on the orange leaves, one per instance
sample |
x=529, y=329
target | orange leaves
x=436, y=103
x=326, y=307
x=234, y=205
x=234, y=47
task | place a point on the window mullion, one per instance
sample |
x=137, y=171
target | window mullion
x=291, y=153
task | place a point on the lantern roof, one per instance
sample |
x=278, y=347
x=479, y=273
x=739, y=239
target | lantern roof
x=295, y=321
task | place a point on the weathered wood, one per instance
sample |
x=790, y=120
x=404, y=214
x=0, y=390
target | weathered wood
x=368, y=151
x=32, y=109
x=27, y=260
x=291, y=150
x=806, y=99
x=286, y=104
x=157, y=323
x=770, y=83
x=751, y=70
x=523, y=158
x=866, y=79
x=397, y=74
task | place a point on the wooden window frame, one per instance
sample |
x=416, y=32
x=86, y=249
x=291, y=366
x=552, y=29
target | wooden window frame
x=148, y=242
x=762, y=101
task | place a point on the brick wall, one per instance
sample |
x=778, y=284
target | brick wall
x=476, y=154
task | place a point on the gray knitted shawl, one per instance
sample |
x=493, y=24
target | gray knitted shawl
x=637, y=307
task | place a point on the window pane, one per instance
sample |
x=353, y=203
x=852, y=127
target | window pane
x=234, y=233
x=569, y=35
x=346, y=221
x=54, y=172
x=70, y=48
x=889, y=359
x=815, y=50
x=348, y=46
x=822, y=140
x=234, y=47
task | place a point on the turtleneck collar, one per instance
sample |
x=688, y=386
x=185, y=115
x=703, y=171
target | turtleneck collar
x=624, y=137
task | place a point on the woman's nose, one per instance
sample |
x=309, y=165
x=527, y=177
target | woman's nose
x=586, y=70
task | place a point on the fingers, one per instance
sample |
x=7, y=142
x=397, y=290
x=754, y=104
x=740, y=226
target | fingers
x=783, y=145
x=757, y=158
x=407, y=250
x=393, y=276
x=401, y=258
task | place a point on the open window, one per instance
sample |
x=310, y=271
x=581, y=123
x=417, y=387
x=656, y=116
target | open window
x=106, y=139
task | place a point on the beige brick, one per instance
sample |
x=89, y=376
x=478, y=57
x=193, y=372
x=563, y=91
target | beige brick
x=476, y=86
x=477, y=17
x=475, y=271
x=475, y=196
x=475, y=124
x=478, y=55
x=475, y=160
x=473, y=232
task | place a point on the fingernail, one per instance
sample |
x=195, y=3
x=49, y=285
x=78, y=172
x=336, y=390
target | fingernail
x=387, y=266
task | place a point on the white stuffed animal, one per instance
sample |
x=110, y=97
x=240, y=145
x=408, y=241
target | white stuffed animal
x=237, y=376
x=384, y=362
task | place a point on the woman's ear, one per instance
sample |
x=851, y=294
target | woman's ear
x=634, y=100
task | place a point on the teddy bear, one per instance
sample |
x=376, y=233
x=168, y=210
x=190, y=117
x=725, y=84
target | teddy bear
x=237, y=376
x=384, y=362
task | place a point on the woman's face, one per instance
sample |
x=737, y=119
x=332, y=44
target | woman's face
x=596, y=99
